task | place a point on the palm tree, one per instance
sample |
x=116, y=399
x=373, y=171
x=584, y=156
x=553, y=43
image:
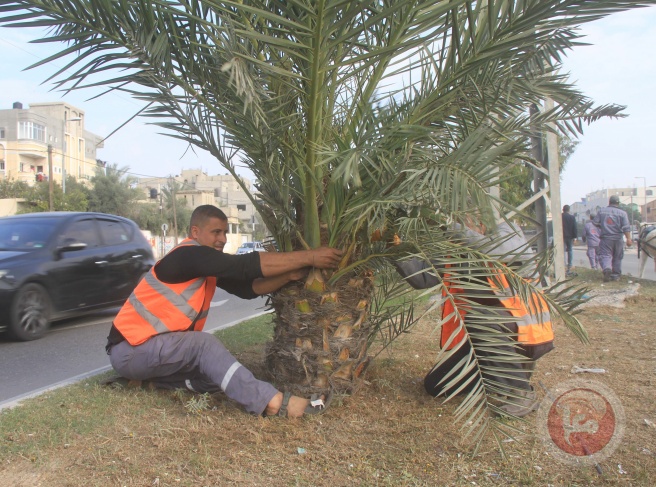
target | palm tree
x=387, y=116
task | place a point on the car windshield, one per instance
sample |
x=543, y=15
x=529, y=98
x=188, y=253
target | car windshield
x=247, y=245
x=25, y=235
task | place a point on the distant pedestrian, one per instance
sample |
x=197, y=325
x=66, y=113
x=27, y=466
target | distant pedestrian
x=569, y=236
x=591, y=236
x=613, y=223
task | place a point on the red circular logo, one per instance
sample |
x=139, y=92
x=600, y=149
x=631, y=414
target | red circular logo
x=581, y=422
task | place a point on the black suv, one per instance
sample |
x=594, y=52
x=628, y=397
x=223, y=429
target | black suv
x=57, y=265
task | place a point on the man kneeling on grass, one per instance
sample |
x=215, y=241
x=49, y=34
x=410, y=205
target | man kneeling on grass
x=501, y=318
x=157, y=335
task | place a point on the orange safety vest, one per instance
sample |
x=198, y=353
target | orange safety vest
x=533, y=327
x=156, y=307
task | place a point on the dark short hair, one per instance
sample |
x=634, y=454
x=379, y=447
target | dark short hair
x=566, y=208
x=614, y=200
x=203, y=213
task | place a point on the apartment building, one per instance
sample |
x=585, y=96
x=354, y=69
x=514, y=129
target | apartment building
x=637, y=197
x=31, y=137
x=199, y=188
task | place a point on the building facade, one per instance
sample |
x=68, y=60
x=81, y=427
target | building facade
x=46, y=140
x=649, y=212
x=197, y=188
x=640, y=198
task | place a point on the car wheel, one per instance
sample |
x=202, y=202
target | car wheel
x=30, y=313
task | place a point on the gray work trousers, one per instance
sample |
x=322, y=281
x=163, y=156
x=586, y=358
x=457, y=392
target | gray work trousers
x=611, y=253
x=593, y=256
x=192, y=360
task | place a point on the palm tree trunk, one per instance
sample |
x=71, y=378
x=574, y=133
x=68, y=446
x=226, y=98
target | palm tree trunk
x=320, y=339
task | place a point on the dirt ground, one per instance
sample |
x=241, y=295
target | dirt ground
x=390, y=432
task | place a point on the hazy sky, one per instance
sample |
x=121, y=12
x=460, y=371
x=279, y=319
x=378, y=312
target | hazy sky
x=619, y=67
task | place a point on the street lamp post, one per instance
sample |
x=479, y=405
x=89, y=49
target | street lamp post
x=644, y=184
x=64, y=151
x=632, y=211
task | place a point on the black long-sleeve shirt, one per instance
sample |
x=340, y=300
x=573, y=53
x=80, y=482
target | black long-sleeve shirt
x=234, y=273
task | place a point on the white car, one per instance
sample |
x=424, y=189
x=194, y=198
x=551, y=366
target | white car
x=248, y=247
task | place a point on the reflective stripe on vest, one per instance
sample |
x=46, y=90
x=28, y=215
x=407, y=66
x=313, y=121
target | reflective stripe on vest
x=533, y=328
x=534, y=324
x=156, y=307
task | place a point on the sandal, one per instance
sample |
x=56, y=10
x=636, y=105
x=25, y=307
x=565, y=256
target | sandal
x=316, y=406
x=118, y=382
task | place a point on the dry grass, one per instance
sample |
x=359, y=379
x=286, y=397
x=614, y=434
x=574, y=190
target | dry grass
x=388, y=433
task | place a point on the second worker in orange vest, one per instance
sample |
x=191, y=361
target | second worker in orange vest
x=498, y=309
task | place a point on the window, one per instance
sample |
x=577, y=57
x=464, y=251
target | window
x=81, y=231
x=31, y=130
x=114, y=232
x=2, y=132
x=649, y=192
x=2, y=166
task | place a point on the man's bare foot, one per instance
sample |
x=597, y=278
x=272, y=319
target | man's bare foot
x=295, y=407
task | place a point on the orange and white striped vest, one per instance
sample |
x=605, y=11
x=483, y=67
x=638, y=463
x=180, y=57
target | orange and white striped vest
x=533, y=325
x=156, y=307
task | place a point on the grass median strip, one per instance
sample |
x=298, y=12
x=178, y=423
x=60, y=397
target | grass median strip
x=387, y=433
x=249, y=333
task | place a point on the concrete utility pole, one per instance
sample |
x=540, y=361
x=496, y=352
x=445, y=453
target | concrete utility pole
x=65, y=150
x=644, y=185
x=173, y=183
x=50, y=181
x=553, y=164
x=539, y=184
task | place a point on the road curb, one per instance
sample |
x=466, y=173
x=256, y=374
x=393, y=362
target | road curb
x=15, y=401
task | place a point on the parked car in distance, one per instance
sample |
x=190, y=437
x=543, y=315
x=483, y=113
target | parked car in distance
x=248, y=247
x=63, y=264
x=270, y=244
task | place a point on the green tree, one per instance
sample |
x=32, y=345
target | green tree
x=392, y=115
x=114, y=191
x=10, y=188
x=633, y=211
x=176, y=211
x=147, y=216
x=38, y=197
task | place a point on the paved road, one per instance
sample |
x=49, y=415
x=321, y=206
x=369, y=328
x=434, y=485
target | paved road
x=630, y=263
x=74, y=349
